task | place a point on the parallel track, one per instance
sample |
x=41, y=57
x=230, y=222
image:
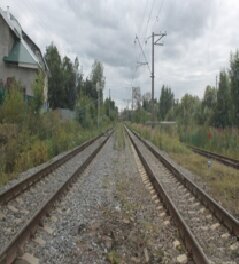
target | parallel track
x=15, y=190
x=10, y=250
x=185, y=202
x=212, y=155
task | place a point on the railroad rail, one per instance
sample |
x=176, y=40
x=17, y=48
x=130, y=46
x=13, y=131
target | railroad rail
x=13, y=191
x=212, y=155
x=187, y=203
x=9, y=250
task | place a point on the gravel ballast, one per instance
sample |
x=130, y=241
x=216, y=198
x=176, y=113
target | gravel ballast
x=19, y=211
x=218, y=244
x=109, y=216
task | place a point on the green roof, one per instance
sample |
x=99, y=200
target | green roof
x=20, y=55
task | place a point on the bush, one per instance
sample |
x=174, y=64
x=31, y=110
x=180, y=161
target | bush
x=13, y=108
x=37, y=154
x=164, y=140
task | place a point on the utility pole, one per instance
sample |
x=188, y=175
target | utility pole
x=98, y=89
x=155, y=43
x=132, y=101
x=153, y=110
x=109, y=102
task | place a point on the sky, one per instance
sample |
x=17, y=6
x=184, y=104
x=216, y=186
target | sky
x=200, y=36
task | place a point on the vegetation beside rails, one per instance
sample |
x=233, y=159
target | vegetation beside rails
x=222, y=181
x=222, y=141
x=28, y=138
x=120, y=136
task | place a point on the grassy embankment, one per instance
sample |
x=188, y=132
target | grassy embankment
x=223, y=182
x=34, y=140
x=224, y=142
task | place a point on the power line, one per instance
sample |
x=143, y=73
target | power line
x=160, y=9
x=144, y=17
x=149, y=17
x=143, y=53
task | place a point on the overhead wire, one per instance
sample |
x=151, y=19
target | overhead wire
x=157, y=16
x=144, y=17
x=149, y=18
x=142, y=52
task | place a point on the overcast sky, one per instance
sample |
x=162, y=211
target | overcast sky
x=201, y=35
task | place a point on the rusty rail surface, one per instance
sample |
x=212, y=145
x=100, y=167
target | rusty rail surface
x=224, y=217
x=11, y=251
x=194, y=249
x=225, y=160
x=15, y=190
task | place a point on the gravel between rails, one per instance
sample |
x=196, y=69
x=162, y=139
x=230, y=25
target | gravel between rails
x=220, y=246
x=18, y=211
x=108, y=215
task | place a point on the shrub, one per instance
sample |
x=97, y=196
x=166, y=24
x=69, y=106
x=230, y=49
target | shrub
x=13, y=108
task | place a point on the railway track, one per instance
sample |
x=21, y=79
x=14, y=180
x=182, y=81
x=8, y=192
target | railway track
x=209, y=232
x=14, y=190
x=212, y=155
x=23, y=205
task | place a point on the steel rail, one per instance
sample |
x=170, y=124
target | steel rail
x=193, y=247
x=223, y=216
x=9, y=254
x=225, y=160
x=15, y=190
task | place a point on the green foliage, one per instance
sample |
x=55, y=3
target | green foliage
x=224, y=103
x=86, y=111
x=234, y=74
x=69, y=83
x=225, y=141
x=166, y=102
x=55, y=80
x=189, y=109
x=24, y=147
x=209, y=103
x=39, y=137
x=36, y=154
x=62, y=90
x=38, y=93
x=97, y=73
x=2, y=92
x=13, y=108
x=166, y=141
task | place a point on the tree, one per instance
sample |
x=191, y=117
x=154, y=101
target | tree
x=38, y=93
x=166, y=101
x=189, y=109
x=234, y=74
x=55, y=81
x=223, y=108
x=69, y=85
x=97, y=77
x=209, y=103
x=13, y=108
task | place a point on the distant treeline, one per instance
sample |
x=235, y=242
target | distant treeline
x=219, y=106
x=67, y=88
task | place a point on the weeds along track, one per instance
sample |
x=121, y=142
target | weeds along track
x=211, y=155
x=21, y=212
x=210, y=234
x=11, y=192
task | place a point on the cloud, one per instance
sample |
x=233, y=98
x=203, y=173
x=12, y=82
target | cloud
x=201, y=35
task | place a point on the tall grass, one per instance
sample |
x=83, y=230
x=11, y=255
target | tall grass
x=222, y=141
x=24, y=148
x=166, y=139
x=223, y=182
